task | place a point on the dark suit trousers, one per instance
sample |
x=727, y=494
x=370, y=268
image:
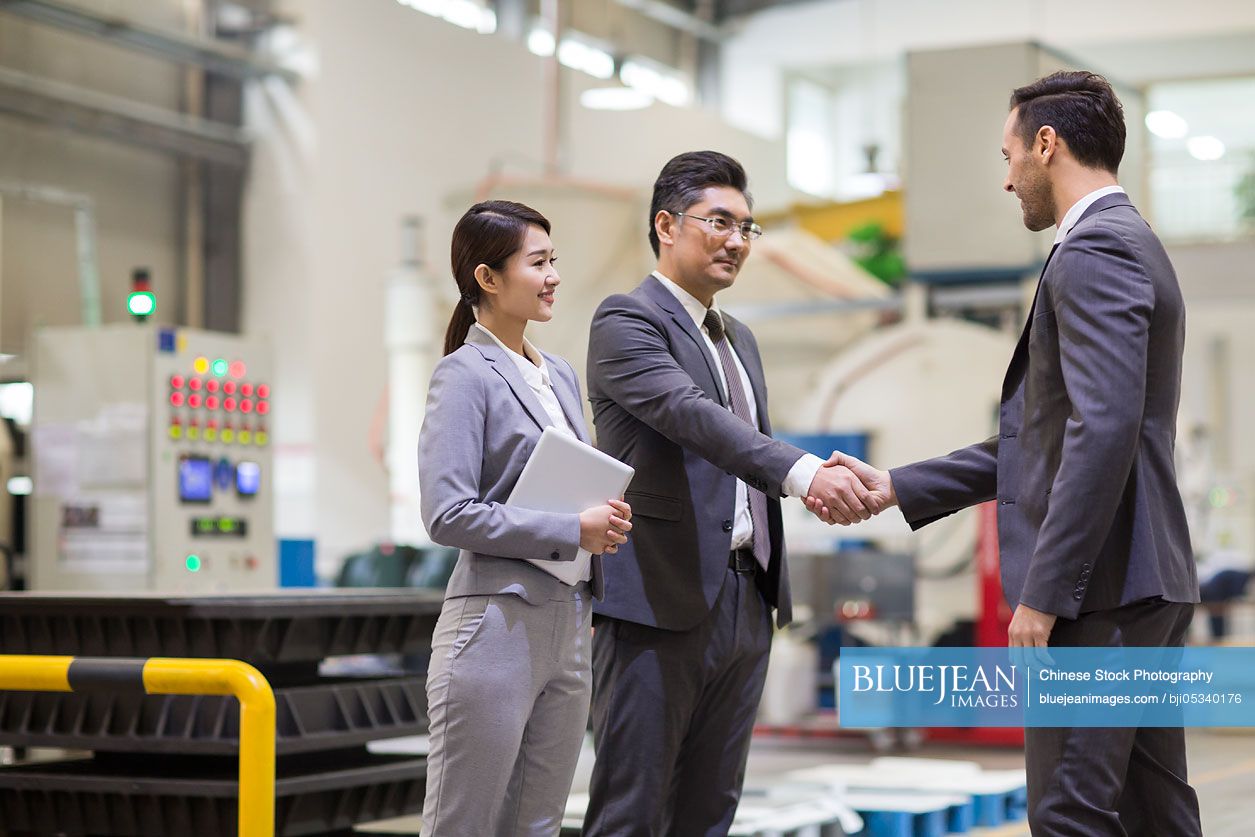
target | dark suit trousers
x=673, y=712
x=1098, y=782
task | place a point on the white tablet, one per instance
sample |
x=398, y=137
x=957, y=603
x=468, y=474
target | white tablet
x=568, y=476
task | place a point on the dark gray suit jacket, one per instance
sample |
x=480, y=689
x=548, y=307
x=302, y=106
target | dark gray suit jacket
x=658, y=405
x=1089, y=514
x=482, y=423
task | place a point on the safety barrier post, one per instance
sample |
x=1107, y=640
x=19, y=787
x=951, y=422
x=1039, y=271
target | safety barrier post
x=173, y=676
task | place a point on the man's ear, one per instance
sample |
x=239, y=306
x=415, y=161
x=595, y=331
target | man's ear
x=1046, y=143
x=664, y=226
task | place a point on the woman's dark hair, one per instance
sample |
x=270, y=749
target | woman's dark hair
x=489, y=233
x=683, y=179
x=1083, y=110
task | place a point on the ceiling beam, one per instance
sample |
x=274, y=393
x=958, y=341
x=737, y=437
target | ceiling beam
x=89, y=112
x=676, y=18
x=214, y=56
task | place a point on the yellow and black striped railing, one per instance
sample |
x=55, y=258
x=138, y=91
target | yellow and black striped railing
x=170, y=676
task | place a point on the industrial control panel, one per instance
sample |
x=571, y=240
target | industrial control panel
x=151, y=449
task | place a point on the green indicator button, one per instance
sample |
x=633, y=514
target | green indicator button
x=220, y=367
x=141, y=303
x=193, y=563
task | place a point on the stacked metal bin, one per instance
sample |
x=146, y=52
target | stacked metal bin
x=166, y=766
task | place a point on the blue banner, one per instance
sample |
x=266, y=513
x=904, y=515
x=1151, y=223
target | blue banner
x=1055, y=687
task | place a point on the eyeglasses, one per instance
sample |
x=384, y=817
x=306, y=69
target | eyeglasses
x=723, y=227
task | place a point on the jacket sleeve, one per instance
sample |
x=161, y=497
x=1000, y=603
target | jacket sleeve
x=450, y=457
x=1103, y=304
x=635, y=368
x=936, y=488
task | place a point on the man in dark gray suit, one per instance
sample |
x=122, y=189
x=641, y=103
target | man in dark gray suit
x=681, y=639
x=1091, y=527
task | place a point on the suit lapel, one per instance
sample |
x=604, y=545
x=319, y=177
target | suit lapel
x=666, y=300
x=505, y=367
x=1015, y=370
x=568, y=398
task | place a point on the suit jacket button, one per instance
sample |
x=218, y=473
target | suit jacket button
x=557, y=556
x=727, y=526
x=1078, y=596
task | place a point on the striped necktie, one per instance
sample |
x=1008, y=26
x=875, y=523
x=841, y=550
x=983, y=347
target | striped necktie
x=741, y=409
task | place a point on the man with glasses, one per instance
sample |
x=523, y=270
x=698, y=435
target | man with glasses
x=682, y=638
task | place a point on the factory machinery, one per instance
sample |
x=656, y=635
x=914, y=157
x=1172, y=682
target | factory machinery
x=152, y=461
x=162, y=765
x=152, y=536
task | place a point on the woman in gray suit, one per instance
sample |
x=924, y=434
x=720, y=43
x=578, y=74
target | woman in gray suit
x=509, y=681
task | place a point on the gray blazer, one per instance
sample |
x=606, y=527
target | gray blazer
x=658, y=405
x=1089, y=514
x=482, y=423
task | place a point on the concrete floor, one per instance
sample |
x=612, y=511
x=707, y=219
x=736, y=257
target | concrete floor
x=1222, y=770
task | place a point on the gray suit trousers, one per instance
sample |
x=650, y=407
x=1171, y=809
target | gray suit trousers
x=673, y=712
x=1102, y=782
x=508, y=693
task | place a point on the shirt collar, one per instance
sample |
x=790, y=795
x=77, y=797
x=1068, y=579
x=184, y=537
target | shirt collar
x=531, y=363
x=1078, y=209
x=691, y=304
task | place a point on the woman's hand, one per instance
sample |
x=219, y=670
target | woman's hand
x=603, y=528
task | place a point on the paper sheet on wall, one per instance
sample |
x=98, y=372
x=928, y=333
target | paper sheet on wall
x=55, y=449
x=112, y=447
x=104, y=532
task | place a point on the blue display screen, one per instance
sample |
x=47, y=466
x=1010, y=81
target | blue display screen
x=196, y=479
x=247, y=478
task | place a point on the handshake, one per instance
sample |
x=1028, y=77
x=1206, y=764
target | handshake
x=847, y=490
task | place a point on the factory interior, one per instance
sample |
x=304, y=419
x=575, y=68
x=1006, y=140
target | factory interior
x=224, y=286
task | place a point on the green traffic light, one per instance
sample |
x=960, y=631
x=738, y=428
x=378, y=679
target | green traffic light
x=193, y=563
x=141, y=303
x=219, y=368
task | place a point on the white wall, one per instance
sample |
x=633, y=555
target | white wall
x=406, y=115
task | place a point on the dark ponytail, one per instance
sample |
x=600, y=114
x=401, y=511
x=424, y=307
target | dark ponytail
x=489, y=233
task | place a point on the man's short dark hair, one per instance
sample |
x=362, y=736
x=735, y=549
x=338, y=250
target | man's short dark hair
x=683, y=179
x=1083, y=110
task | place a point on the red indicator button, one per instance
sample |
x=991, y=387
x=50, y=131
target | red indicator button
x=212, y=385
x=176, y=382
x=263, y=407
x=228, y=404
x=228, y=387
x=246, y=390
x=246, y=406
x=193, y=401
x=211, y=402
x=176, y=399
x=194, y=383
x=263, y=391
x=238, y=369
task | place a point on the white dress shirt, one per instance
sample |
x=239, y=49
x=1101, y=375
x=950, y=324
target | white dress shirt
x=531, y=365
x=798, y=481
x=1078, y=209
